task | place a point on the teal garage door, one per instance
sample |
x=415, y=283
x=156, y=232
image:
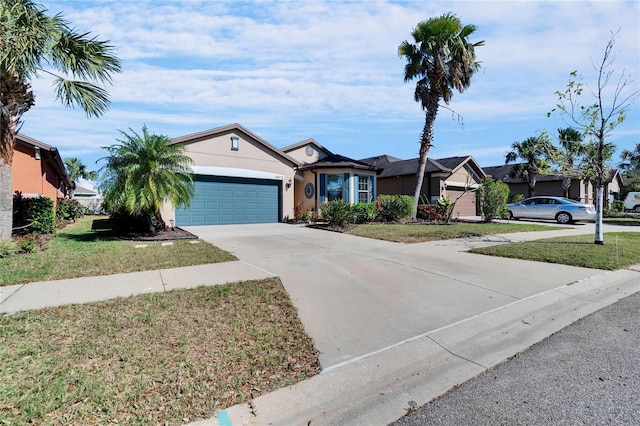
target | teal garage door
x=225, y=200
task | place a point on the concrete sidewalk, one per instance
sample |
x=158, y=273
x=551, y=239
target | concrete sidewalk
x=37, y=295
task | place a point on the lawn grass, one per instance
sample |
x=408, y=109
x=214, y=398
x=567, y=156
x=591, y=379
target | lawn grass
x=622, y=221
x=161, y=358
x=621, y=249
x=79, y=251
x=418, y=233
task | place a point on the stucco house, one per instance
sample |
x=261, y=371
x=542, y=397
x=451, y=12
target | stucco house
x=242, y=178
x=37, y=169
x=554, y=184
x=456, y=178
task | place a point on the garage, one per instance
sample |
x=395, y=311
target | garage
x=222, y=200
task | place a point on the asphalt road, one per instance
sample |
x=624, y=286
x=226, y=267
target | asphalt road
x=586, y=374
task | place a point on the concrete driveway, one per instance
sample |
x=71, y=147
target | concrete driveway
x=357, y=296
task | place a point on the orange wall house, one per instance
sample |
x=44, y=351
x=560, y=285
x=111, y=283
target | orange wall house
x=37, y=169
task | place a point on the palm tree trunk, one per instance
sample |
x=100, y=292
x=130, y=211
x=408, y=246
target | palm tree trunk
x=6, y=200
x=425, y=144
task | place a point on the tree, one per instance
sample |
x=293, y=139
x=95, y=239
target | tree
x=598, y=118
x=442, y=59
x=31, y=42
x=570, y=153
x=630, y=164
x=536, y=152
x=77, y=170
x=142, y=173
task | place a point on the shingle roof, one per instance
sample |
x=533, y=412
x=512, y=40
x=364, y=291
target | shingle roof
x=335, y=160
x=395, y=167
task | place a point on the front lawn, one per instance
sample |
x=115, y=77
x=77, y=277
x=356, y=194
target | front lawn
x=78, y=251
x=621, y=249
x=161, y=358
x=418, y=233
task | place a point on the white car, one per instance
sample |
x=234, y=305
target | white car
x=563, y=210
x=632, y=202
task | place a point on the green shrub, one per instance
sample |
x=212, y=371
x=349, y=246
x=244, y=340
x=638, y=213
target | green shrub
x=514, y=198
x=28, y=244
x=364, y=212
x=493, y=199
x=33, y=215
x=337, y=213
x=393, y=208
x=617, y=206
x=301, y=214
x=69, y=210
x=8, y=248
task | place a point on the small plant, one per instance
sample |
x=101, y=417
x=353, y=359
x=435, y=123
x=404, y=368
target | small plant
x=28, y=244
x=364, y=212
x=337, y=213
x=8, y=248
x=617, y=206
x=393, y=208
x=69, y=210
x=301, y=214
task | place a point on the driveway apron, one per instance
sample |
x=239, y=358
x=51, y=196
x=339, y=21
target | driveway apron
x=356, y=296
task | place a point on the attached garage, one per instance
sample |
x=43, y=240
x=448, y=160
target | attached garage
x=220, y=200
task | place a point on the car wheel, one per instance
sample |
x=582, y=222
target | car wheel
x=637, y=208
x=510, y=215
x=564, y=218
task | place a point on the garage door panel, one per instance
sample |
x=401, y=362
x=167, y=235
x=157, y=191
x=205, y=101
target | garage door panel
x=220, y=200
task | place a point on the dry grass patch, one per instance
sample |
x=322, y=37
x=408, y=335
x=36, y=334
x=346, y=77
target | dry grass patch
x=163, y=358
x=79, y=251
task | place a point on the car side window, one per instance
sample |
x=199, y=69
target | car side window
x=528, y=202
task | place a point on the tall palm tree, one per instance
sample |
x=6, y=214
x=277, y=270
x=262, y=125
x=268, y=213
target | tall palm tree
x=31, y=42
x=77, y=170
x=572, y=149
x=144, y=171
x=442, y=59
x=631, y=161
x=535, y=151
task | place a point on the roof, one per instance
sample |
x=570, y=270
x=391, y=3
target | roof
x=305, y=142
x=49, y=153
x=338, y=161
x=393, y=167
x=505, y=174
x=235, y=127
x=82, y=191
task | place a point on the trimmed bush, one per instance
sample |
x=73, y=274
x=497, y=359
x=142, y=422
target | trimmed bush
x=69, y=210
x=493, y=196
x=337, y=213
x=33, y=215
x=363, y=212
x=617, y=206
x=393, y=208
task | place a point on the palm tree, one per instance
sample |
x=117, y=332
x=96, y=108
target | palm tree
x=631, y=161
x=77, y=170
x=535, y=151
x=572, y=149
x=142, y=173
x=31, y=43
x=442, y=59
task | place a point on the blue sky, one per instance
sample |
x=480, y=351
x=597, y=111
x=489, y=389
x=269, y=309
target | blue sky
x=329, y=70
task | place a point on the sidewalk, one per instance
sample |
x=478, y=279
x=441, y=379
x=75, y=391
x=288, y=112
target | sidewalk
x=37, y=295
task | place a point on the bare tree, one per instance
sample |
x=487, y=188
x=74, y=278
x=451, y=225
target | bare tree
x=599, y=117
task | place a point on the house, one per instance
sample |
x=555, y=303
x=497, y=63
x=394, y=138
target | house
x=456, y=178
x=88, y=198
x=37, y=169
x=557, y=185
x=323, y=176
x=241, y=178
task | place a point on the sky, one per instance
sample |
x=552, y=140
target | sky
x=329, y=70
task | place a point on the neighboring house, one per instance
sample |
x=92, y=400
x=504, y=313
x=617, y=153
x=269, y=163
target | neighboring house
x=37, y=169
x=456, y=178
x=324, y=176
x=554, y=184
x=88, y=198
x=241, y=178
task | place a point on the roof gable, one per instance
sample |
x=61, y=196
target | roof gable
x=235, y=128
x=49, y=152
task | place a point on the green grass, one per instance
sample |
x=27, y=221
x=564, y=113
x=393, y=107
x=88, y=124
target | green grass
x=621, y=249
x=417, y=233
x=622, y=221
x=162, y=358
x=79, y=251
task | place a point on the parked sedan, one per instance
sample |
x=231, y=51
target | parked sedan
x=563, y=210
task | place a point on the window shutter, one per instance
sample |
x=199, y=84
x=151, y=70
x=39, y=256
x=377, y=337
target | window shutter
x=346, y=189
x=323, y=188
x=372, y=192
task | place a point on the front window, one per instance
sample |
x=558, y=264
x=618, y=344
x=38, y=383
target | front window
x=363, y=189
x=334, y=187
